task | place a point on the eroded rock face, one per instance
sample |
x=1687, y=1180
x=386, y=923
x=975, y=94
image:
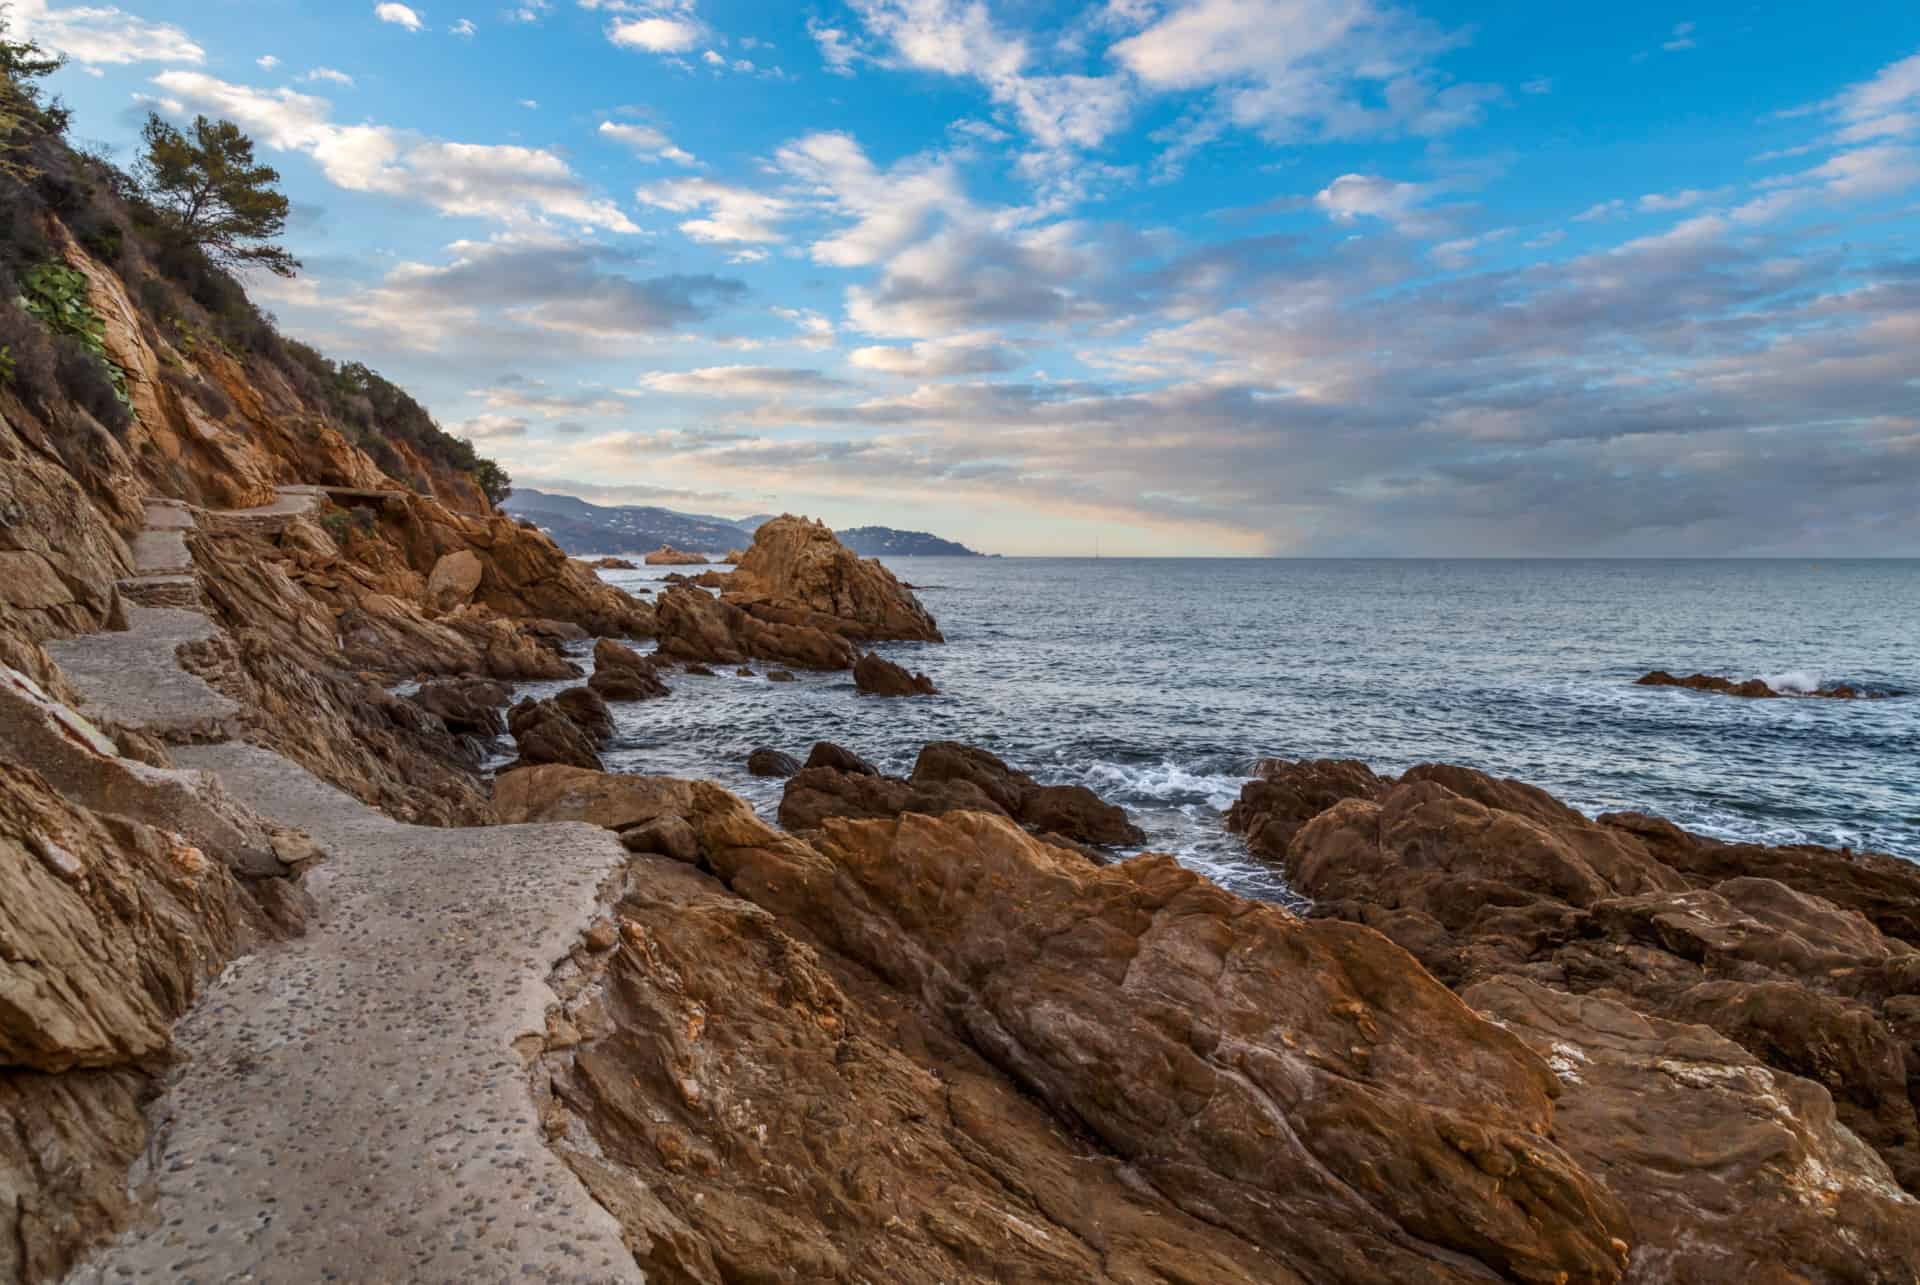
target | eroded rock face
x=622, y=674
x=882, y=677
x=469, y=707
x=949, y=777
x=1285, y=795
x=796, y=573
x=1730, y=1170
x=909, y=1005
x=109, y=928
x=695, y=626
x=547, y=731
x=1777, y=950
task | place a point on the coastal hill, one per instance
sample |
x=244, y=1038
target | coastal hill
x=580, y=528
x=260, y=618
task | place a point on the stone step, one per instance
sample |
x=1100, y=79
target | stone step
x=163, y=591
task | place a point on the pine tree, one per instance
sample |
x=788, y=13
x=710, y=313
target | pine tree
x=21, y=113
x=206, y=182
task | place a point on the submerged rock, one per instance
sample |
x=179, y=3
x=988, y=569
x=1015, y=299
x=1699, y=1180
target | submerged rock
x=771, y=762
x=884, y=678
x=1753, y=688
x=612, y=564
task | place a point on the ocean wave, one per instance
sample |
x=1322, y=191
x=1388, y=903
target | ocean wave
x=1165, y=782
x=1793, y=680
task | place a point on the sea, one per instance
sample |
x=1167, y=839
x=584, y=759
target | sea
x=1159, y=683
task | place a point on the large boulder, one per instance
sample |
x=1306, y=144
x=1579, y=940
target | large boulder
x=950, y=777
x=798, y=573
x=882, y=677
x=1777, y=950
x=468, y=706
x=1284, y=795
x=547, y=733
x=668, y=556
x=454, y=579
x=767, y=761
x=622, y=674
x=693, y=625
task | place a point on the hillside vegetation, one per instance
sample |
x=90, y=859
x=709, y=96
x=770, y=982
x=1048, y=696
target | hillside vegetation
x=85, y=247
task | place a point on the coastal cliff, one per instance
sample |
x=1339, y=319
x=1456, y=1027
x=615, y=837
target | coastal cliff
x=257, y=907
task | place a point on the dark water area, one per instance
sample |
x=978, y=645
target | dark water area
x=1158, y=682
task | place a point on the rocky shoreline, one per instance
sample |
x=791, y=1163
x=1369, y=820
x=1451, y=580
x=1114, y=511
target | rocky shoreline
x=260, y=908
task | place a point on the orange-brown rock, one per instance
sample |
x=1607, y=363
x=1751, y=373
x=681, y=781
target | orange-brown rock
x=949, y=777
x=668, y=556
x=797, y=573
x=1774, y=949
x=963, y=1053
x=881, y=677
x=695, y=626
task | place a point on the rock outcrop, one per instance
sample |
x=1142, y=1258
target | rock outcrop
x=881, y=677
x=767, y=761
x=990, y=1059
x=1753, y=688
x=622, y=674
x=548, y=731
x=1807, y=960
x=797, y=573
x=668, y=556
x=949, y=777
x=695, y=626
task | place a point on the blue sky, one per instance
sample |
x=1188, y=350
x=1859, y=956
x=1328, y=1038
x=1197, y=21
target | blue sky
x=1188, y=276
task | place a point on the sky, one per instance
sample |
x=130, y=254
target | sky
x=1207, y=277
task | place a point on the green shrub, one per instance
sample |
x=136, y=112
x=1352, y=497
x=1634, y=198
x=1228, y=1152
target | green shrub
x=6, y=365
x=90, y=383
x=57, y=295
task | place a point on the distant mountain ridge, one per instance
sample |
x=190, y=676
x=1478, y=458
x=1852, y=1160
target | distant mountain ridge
x=580, y=527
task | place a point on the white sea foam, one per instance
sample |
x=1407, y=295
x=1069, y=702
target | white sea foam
x=1793, y=680
x=1163, y=782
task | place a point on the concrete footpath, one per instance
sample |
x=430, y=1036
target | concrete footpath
x=350, y=1105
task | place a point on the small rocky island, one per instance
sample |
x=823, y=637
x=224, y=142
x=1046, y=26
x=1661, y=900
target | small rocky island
x=1752, y=688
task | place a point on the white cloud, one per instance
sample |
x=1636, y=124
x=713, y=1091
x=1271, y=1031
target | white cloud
x=92, y=35
x=531, y=104
x=492, y=428
x=399, y=15
x=837, y=49
x=964, y=354
x=1353, y=196
x=816, y=331
x=464, y=27
x=1686, y=199
x=510, y=184
x=1682, y=38
x=330, y=75
x=1301, y=69
x=732, y=213
x=655, y=35
x=646, y=142
x=890, y=209
x=266, y=62
x=738, y=381
x=959, y=38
